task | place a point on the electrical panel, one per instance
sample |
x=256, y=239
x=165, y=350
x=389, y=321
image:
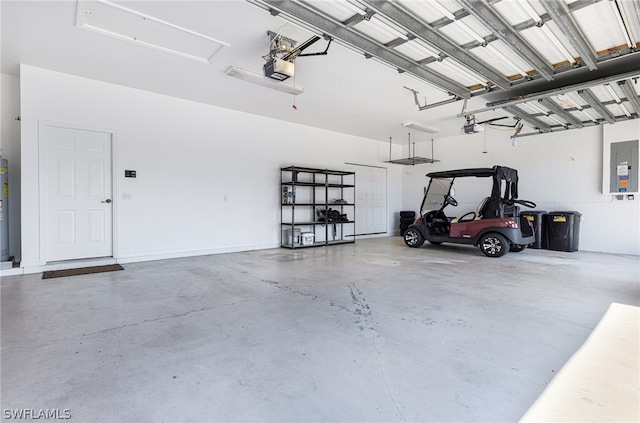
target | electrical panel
x=623, y=175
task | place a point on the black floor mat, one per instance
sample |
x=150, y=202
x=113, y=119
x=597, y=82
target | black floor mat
x=81, y=271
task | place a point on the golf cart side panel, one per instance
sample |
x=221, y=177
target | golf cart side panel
x=514, y=235
x=476, y=228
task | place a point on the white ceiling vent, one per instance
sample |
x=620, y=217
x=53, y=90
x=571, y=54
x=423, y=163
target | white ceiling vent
x=126, y=24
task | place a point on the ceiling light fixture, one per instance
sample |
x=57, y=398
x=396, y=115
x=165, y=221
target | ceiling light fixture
x=259, y=79
x=421, y=127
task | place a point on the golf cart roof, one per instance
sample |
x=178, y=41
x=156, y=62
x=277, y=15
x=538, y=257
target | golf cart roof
x=499, y=172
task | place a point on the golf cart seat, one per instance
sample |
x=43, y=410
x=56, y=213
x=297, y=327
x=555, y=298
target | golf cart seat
x=472, y=215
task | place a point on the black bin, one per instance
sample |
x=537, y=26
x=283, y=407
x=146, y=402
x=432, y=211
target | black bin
x=562, y=230
x=536, y=219
x=407, y=217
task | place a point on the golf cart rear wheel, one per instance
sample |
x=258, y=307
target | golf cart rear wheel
x=413, y=238
x=494, y=245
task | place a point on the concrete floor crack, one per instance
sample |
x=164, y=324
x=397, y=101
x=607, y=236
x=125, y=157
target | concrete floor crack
x=171, y=316
x=365, y=324
x=286, y=288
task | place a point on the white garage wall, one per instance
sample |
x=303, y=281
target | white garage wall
x=559, y=172
x=207, y=178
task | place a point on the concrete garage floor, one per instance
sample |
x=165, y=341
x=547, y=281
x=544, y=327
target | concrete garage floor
x=366, y=332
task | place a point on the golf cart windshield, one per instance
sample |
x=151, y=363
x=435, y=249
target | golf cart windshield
x=438, y=189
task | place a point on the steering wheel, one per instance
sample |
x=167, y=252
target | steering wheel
x=450, y=200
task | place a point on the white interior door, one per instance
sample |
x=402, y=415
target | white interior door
x=371, y=200
x=77, y=195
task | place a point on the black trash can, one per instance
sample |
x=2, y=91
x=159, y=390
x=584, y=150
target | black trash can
x=536, y=219
x=562, y=230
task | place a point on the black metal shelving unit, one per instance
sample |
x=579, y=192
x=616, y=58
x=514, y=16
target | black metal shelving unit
x=306, y=195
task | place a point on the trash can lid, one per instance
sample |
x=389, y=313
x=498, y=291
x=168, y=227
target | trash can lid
x=566, y=212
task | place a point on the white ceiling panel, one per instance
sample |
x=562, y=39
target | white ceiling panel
x=379, y=30
x=448, y=67
x=428, y=11
x=340, y=10
x=544, y=46
x=465, y=31
x=514, y=11
x=600, y=26
x=416, y=50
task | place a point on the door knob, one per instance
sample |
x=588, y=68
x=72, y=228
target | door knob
x=108, y=200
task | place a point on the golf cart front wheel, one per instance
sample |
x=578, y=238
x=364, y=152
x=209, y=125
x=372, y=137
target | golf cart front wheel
x=413, y=238
x=494, y=245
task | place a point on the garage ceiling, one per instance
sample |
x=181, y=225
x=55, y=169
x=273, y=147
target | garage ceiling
x=548, y=65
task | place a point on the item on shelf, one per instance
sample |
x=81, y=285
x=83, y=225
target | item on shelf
x=293, y=237
x=339, y=201
x=307, y=238
x=330, y=215
x=288, y=195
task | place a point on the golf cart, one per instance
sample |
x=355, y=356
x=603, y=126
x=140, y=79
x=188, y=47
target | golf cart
x=496, y=226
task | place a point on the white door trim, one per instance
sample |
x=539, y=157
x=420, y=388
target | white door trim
x=43, y=124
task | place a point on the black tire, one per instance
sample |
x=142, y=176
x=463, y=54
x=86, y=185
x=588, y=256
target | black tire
x=408, y=220
x=516, y=248
x=413, y=238
x=407, y=214
x=493, y=245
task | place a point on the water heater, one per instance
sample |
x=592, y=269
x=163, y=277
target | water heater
x=4, y=210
